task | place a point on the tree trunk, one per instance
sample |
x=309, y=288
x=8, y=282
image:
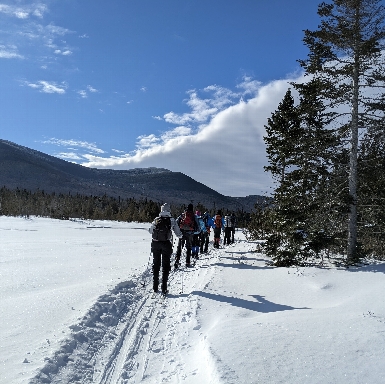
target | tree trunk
x=352, y=226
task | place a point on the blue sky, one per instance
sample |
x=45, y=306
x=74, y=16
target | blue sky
x=182, y=84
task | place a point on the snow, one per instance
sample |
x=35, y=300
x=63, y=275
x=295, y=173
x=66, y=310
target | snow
x=76, y=307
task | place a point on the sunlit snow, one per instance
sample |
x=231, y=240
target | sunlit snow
x=76, y=307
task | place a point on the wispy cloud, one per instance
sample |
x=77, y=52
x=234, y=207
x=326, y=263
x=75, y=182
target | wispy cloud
x=24, y=12
x=71, y=156
x=71, y=144
x=84, y=92
x=219, y=142
x=91, y=89
x=66, y=52
x=26, y=30
x=48, y=86
x=9, y=52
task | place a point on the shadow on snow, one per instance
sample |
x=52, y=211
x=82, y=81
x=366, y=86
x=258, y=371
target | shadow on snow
x=261, y=305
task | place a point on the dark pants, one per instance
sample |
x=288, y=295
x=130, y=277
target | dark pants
x=217, y=237
x=204, y=242
x=232, y=234
x=186, y=240
x=161, y=252
x=227, y=239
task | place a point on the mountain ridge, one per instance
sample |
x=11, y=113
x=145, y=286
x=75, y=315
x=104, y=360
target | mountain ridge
x=26, y=168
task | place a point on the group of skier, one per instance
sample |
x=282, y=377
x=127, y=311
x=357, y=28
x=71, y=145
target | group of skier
x=193, y=231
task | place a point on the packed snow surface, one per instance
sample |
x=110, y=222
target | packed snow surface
x=76, y=307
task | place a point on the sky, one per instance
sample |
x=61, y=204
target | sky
x=182, y=85
x=74, y=299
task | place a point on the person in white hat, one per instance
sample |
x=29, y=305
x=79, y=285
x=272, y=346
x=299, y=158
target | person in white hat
x=161, y=245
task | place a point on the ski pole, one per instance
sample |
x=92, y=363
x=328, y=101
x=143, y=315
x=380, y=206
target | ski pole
x=182, y=283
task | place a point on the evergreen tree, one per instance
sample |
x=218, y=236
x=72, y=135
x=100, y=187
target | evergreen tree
x=345, y=54
x=301, y=152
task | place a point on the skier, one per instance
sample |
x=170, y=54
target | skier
x=209, y=223
x=161, y=245
x=218, y=225
x=233, y=226
x=198, y=236
x=188, y=224
x=228, y=230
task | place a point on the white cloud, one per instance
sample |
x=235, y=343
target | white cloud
x=25, y=12
x=48, y=86
x=143, y=89
x=219, y=143
x=9, y=52
x=72, y=156
x=83, y=94
x=91, y=89
x=74, y=144
x=66, y=52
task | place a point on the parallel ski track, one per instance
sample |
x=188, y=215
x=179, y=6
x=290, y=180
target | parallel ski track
x=132, y=336
x=141, y=325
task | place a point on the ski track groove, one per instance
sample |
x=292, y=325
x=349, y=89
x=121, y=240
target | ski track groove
x=150, y=328
x=128, y=340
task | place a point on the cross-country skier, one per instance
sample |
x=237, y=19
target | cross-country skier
x=233, y=226
x=161, y=245
x=188, y=224
x=199, y=235
x=218, y=225
x=228, y=230
x=209, y=223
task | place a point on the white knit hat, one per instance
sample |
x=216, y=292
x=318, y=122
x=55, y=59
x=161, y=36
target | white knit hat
x=165, y=208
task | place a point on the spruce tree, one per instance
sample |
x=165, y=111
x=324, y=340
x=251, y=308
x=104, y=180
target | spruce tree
x=301, y=151
x=345, y=54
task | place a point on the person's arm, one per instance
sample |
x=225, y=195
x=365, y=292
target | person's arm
x=151, y=229
x=175, y=228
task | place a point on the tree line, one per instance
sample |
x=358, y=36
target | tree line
x=22, y=202
x=326, y=144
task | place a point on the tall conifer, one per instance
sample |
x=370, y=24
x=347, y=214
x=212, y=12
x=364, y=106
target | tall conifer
x=346, y=55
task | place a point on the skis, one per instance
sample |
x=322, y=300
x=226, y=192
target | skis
x=159, y=295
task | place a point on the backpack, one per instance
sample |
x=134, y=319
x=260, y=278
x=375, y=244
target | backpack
x=202, y=225
x=228, y=222
x=187, y=222
x=218, y=221
x=162, y=229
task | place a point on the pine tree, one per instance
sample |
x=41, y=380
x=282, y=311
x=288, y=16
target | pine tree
x=346, y=56
x=301, y=151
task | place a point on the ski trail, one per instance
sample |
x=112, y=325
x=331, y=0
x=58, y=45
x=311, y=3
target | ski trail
x=129, y=337
x=171, y=349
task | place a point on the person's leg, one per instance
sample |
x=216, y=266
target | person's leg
x=156, y=253
x=188, y=238
x=178, y=252
x=206, y=241
x=166, y=267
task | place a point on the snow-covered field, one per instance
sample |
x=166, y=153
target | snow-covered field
x=76, y=307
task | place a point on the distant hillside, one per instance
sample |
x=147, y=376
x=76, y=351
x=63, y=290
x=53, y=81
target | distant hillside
x=25, y=168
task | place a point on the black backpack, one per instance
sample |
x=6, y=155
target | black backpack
x=162, y=229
